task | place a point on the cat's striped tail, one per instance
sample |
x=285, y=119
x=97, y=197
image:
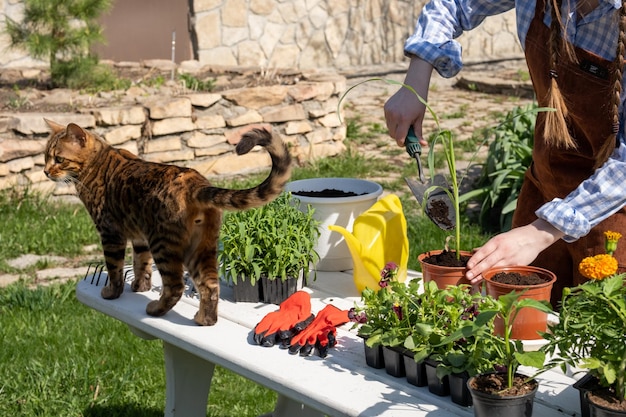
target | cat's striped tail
x=263, y=193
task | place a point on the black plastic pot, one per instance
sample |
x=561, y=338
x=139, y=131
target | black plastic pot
x=440, y=387
x=373, y=355
x=394, y=361
x=583, y=385
x=490, y=405
x=275, y=290
x=597, y=410
x=459, y=393
x=415, y=371
x=243, y=291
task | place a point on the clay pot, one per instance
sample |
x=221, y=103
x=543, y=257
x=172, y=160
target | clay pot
x=529, y=321
x=442, y=275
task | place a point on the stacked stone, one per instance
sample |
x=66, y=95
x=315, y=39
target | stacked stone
x=308, y=34
x=198, y=130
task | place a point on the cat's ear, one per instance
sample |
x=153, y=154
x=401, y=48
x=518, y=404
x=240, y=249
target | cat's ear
x=56, y=128
x=77, y=134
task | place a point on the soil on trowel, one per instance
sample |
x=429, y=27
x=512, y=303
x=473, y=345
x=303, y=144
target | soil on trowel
x=496, y=384
x=516, y=278
x=439, y=213
x=331, y=193
x=447, y=258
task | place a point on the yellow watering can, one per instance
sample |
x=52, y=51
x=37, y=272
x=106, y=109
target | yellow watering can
x=379, y=236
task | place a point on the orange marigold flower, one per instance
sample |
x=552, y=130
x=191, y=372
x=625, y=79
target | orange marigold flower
x=598, y=267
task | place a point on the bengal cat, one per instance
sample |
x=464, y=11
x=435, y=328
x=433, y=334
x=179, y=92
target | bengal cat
x=171, y=215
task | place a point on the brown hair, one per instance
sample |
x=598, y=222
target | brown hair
x=556, y=132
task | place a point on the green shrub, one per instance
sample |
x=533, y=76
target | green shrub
x=86, y=73
x=510, y=154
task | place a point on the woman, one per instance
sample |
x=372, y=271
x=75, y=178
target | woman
x=574, y=52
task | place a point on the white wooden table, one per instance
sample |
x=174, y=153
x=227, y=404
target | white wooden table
x=339, y=385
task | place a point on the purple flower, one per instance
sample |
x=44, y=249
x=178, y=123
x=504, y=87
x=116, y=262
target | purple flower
x=499, y=368
x=357, y=317
x=398, y=310
x=388, y=273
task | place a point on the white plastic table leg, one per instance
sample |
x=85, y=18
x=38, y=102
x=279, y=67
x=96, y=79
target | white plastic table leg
x=286, y=407
x=187, y=383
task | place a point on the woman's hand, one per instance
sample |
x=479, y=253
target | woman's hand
x=519, y=246
x=404, y=109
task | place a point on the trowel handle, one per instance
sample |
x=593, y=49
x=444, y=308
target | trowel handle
x=412, y=144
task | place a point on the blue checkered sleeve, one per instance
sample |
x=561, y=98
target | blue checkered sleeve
x=594, y=200
x=440, y=22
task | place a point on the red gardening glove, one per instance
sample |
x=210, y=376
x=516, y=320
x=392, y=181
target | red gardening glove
x=293, y=315
x=321, y=333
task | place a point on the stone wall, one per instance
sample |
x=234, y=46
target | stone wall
x=199, y=130
x=308, y=33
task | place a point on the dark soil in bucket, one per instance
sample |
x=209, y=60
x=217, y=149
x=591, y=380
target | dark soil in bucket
x=447, y=258
x=516, y=278
x=329, y=193
x=606, y=398
x=496, y=384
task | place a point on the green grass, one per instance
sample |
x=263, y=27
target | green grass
x=60, y=358
x=32, y=223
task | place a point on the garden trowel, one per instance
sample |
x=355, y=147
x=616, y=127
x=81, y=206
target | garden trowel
x=437, y=204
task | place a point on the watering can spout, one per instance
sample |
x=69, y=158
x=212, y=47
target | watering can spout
x=379, y=236
x=354, y=246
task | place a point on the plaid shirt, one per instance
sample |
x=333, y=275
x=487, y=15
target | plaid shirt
x=441, y=21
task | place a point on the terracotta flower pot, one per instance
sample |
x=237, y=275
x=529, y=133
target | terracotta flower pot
x=442, y=275
x=529, y=321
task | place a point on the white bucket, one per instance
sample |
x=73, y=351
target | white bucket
x=341, y=211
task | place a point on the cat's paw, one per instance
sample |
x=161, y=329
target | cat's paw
x=141, y=284
x=155, y=308
x=205, y=319
x=111, y=292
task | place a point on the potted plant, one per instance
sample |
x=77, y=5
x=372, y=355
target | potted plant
x=459, y=358
x=532, y=282
x=590, y=333
x=504, y=392
x=273, y=244
x=385, y=319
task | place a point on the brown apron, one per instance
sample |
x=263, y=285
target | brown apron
x=555, y=172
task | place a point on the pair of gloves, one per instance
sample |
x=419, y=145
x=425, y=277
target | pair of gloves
x=294, y=326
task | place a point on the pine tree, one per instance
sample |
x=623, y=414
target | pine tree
x=60, y=31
